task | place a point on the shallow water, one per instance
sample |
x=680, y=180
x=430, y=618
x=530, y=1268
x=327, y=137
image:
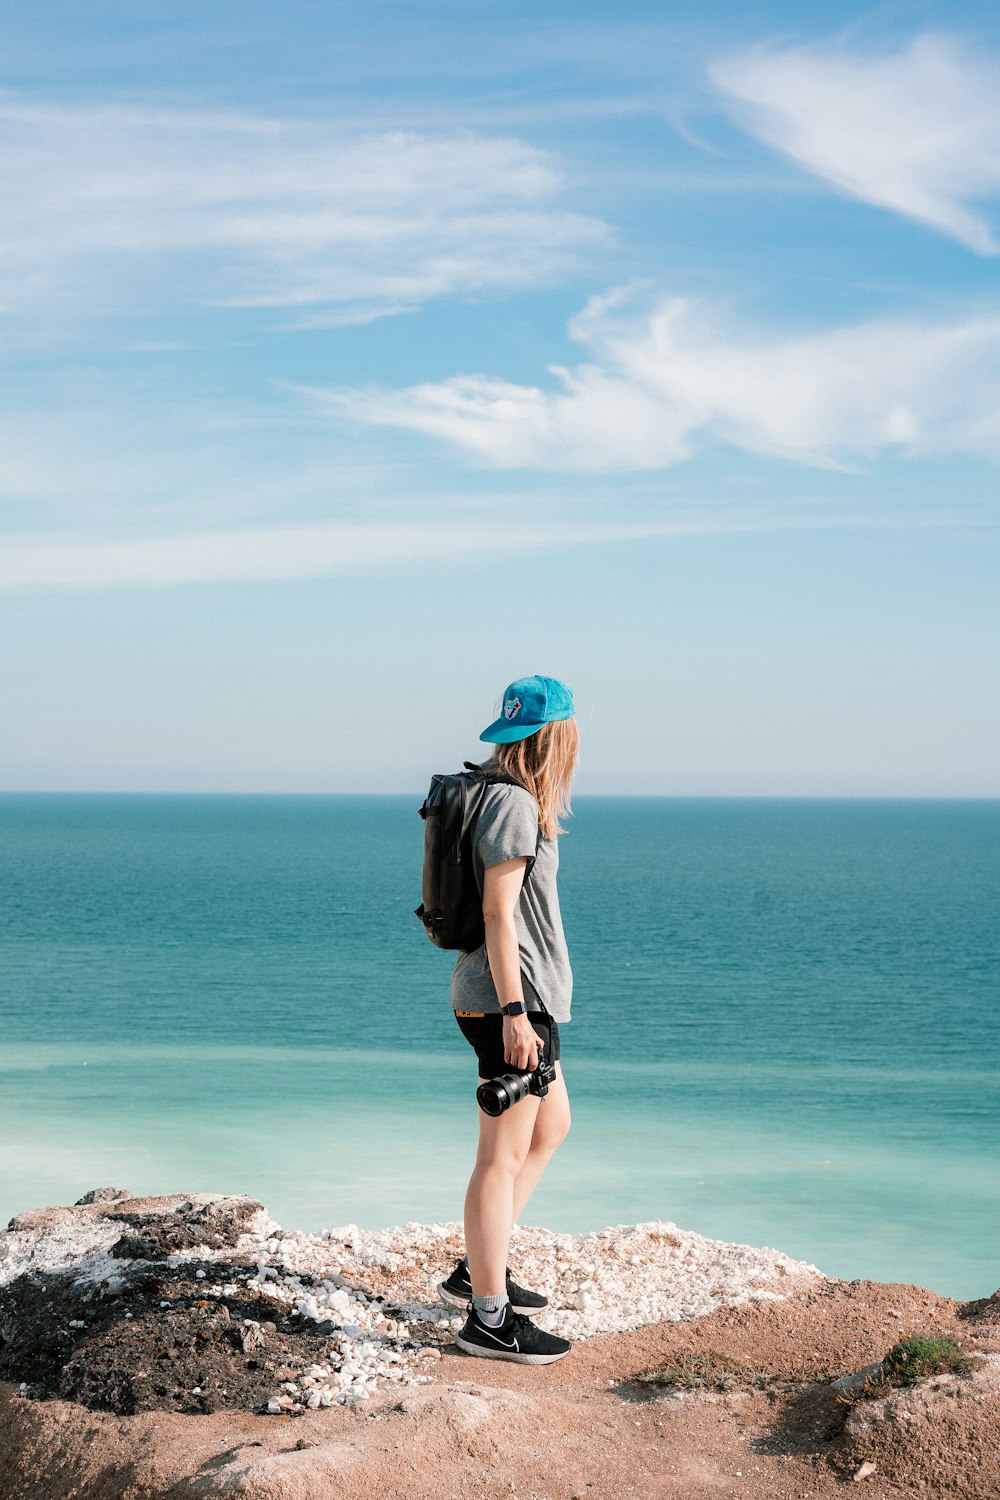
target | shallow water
x=785, y=1024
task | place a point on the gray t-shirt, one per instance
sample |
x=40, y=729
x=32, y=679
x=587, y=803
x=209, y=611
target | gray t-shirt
x=507, y=827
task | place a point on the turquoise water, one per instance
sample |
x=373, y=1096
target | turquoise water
x=786, y=1027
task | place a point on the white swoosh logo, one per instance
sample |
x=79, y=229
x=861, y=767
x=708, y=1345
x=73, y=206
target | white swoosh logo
x=512, y=1345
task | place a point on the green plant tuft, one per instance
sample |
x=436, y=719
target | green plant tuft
x=694, y=1371
x=922, y=1354
x=912, y=1360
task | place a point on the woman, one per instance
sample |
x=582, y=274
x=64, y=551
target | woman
x=509, y=995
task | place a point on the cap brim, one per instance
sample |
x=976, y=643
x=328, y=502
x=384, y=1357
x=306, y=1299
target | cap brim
x=502, y=733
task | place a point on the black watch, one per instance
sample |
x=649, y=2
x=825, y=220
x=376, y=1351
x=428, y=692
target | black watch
x=516, y=1008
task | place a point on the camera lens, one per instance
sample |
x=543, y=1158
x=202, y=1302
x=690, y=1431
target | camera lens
x=500, y=1093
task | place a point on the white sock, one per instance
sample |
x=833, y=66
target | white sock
x=492, y=1309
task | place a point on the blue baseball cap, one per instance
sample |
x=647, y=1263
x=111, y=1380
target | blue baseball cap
x=529, y=703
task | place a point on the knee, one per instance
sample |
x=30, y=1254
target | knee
x=549, y=1134
x=502, y=1163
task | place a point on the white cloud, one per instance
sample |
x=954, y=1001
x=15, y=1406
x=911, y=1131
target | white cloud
x=663, y=383
x=99, y=203
x=327, y=550
x=917, y=131
x=105, y=463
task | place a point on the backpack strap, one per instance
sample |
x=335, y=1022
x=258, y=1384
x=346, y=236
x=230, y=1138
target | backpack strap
x=502, y=778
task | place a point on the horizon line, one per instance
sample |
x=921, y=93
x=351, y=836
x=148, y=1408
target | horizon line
x=580, y=796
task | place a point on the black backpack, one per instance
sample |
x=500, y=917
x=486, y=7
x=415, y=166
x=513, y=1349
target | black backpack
x=452, y=908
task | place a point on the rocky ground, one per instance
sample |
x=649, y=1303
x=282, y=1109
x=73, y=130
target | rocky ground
x=165, y=1348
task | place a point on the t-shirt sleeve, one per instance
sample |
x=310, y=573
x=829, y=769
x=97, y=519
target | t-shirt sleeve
x=507, y=826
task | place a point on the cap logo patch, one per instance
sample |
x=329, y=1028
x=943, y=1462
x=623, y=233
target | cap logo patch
x=511, y=708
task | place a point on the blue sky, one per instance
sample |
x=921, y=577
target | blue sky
x=361, y=358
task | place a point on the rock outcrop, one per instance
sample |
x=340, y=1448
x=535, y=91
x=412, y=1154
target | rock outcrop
x=187, y=1346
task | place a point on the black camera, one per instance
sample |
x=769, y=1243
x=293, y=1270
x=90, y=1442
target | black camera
x=500, y=1093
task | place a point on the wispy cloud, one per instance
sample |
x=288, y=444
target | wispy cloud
x=664, y=383
x=331, y=550
x=363, y=548
x=105, y=463
x=102, y=203
x=916, y=131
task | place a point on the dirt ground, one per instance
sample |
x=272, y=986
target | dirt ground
x=590, y=1426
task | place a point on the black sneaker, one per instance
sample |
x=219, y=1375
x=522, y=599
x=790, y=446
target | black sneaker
x=517, y=1338
x=458, y=1291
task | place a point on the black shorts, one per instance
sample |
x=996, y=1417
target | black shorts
x=485, y=1034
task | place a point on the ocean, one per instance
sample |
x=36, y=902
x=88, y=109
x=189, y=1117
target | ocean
x=786, y=1028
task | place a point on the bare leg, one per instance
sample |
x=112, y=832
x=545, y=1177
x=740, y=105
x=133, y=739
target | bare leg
x=504, y=1144
x=551, y=1128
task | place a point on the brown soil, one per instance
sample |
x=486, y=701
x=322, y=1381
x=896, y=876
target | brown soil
x=150, y=1339
x=135, y=1355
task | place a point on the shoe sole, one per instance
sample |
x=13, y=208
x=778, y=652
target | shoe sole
x=456, y=1299
x=518, y=1358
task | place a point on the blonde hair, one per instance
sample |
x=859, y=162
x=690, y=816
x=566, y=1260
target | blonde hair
x=544, y=762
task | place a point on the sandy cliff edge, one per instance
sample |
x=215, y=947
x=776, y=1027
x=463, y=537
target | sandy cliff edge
x=189, y=1346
